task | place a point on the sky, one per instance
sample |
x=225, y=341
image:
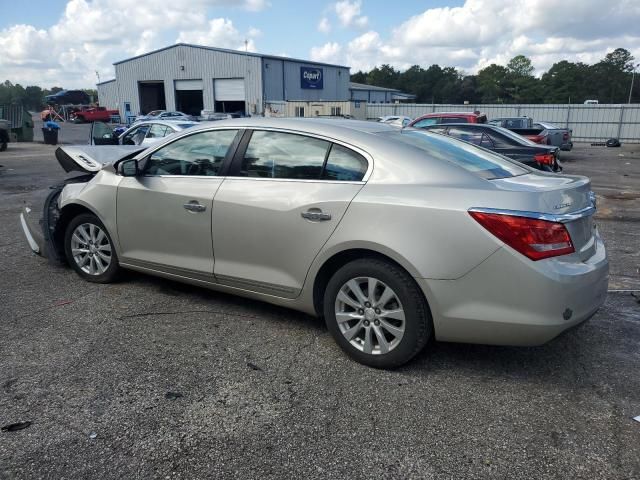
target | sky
x=70, y=43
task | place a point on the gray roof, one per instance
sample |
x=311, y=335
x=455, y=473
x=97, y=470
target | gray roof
x=226, y=50
x=106, y=81
x=364, y=86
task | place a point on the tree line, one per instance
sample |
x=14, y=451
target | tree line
x=607, y=81
x=31, y=97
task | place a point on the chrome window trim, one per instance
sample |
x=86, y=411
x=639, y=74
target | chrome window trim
x=550, y=217
x=260, y=179
x=187, y=132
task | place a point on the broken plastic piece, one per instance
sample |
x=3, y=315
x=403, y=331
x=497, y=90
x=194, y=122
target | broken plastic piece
x=14, y=427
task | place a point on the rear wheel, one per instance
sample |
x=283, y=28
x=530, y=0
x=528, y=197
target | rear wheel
x=89, y=249
x=376, y=313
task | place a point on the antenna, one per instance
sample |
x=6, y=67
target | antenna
x=98, y=75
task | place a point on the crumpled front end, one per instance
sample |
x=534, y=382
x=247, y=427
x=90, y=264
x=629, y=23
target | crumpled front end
x=40, y=220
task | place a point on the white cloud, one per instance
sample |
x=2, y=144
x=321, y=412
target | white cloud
x=348, y=14
x=481, y=32
x=91, y=34
x=324, y=26
x=221, y=33
x=329, y=52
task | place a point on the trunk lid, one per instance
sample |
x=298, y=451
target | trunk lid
x=566, y=196
x=91, y=158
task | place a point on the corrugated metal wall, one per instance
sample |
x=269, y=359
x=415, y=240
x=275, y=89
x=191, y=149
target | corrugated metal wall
x=108, y=94
x=198, y=63
x=282, y=82
x=590, y=123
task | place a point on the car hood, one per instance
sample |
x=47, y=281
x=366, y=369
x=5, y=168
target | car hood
x=91, y=158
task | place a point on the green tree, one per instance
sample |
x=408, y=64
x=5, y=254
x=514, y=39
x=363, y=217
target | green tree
x=494, y=84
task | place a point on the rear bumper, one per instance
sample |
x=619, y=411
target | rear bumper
x=566, y=146
x=510, y=300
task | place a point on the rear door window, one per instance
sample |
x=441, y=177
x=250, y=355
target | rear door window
x=157, y=131
x=283, y=155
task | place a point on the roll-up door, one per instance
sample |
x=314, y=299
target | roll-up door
x=188, y=84
x=229, y=89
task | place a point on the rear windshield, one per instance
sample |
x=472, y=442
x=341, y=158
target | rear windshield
x=186, y=125
x=479, y=161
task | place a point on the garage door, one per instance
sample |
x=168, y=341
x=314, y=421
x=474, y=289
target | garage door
x=188, y=84
x=229, y=89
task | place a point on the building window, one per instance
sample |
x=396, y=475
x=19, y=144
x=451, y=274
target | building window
x=299, y=111
x=335, y=111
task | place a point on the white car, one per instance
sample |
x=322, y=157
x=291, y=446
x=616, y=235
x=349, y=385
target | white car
x=395, y=120
x=143, y=133
x=164, y=115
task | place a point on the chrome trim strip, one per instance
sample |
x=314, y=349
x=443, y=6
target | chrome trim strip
x=25, y=228
x=550, y=217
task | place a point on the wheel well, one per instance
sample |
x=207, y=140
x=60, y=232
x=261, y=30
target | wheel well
x=67, y=214
x=332, y=265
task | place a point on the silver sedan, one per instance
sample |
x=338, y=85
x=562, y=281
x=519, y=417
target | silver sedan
x=393, y=236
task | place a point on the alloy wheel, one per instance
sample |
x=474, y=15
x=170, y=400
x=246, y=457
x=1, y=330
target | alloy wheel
x=91, y=249
x=370, y=315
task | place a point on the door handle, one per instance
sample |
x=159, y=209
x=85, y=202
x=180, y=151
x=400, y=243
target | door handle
x=194, y=206
x=315, y=215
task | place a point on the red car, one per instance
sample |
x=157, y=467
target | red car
x=94, y=114
x=448, y=117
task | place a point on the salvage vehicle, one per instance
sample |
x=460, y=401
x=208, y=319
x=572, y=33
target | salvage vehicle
x=504, y=142
x=394, y=236
x=396, y=120
x=165, y=115
x=72, y=97
x=437, y=118
x=94, y=114
x=143, y=133
x=544, y=133
x=4, y=134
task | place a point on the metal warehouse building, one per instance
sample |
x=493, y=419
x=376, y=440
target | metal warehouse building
x=190, y=78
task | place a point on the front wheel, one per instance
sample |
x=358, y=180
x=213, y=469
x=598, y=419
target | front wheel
x=376, y=313
x=89, y=249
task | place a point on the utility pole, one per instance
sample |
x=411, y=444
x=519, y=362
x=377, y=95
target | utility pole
x=633, y=74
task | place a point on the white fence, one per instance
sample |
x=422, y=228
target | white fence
x=590, y=123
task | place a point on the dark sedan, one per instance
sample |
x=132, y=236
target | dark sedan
x=505, y=142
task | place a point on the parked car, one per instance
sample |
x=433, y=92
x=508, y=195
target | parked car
x=143, y=133
x=591, y=102
x=396, y=120
x=165, y=115
x=543, y=133
x=393, y=235
x=448, y=117
x=68, y=97
x=504, y=142
x=210, y=115
x=94, y=114
x=4, y=134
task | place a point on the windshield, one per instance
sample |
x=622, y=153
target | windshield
x=479, y=161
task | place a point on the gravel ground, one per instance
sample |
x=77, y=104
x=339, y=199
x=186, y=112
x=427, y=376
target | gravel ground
x=148, y=378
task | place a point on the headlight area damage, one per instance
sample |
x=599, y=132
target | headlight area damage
x=42, y=220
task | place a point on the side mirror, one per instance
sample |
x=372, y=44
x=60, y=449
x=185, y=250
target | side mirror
x=128, y=168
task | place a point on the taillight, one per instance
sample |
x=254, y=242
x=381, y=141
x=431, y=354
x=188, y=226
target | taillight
x=536, y=239
x=544, y=158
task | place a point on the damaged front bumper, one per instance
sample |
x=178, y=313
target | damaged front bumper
x=40, y=220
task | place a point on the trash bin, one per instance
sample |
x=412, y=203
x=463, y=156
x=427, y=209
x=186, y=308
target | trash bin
x=50, y=132
x=50, y=136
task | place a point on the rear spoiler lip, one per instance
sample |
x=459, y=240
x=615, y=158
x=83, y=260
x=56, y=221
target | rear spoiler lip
x=549, y=217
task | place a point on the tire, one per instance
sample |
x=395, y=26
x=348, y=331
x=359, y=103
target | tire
x=3, y=146
x=100, y=263
x=402, y=339
x=78, y=120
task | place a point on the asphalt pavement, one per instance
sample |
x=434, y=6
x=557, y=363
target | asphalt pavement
x=148, y=378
